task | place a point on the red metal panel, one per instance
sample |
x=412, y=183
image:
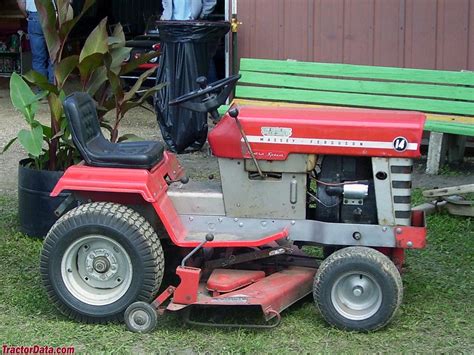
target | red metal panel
x=273, y=293
x=389, y=30
x=328, y=36
x=359, y=32
x=317, y=131
x=151, y=185
x=413, y=237
x=227, y=280
x=452, y=34
x=187, y=291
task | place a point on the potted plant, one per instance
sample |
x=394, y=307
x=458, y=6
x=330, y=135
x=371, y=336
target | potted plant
x=50, y=148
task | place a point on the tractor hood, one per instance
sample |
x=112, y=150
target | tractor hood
x=276, y=132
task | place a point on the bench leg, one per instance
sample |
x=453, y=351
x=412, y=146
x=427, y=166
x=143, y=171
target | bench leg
x=436, y=153
x=456, y=146
x=444, y=146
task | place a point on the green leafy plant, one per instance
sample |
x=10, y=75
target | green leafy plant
x=25, y=101
x=99, y=64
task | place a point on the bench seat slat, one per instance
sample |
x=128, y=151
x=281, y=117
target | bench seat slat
x=358, y=71
x=352, y=99
x=449, y=127
x=358, y=86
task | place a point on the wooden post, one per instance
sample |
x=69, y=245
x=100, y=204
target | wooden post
x=436, y=153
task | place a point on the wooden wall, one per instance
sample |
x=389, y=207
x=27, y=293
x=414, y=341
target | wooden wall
x=434, y=34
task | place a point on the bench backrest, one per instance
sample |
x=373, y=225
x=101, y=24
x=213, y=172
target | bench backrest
x=430, y=91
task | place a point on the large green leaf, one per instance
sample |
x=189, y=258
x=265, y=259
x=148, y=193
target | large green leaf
x=64, y=68
x=47, y=131
x=138, y=84
x=128, y=105
x=67, y=26
x=119, y=34
x=89, y=65
x=32, y=140
x=97, y=42
x=134, y=63
x=22, y=97
x=114, y=42
x=62, y=10
x=40, y=81
x=116, y=86
x=47, y=16
x=117, y=57
x=98, y=78
x=55, y=106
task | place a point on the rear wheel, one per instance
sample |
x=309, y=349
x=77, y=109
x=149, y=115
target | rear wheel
x=98, y=259
x=358, y=288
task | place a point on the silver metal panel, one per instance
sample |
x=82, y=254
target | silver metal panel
x=308, y=231
x=385, y=192
x=198, y=198
x=295, y=163
x=269, y=198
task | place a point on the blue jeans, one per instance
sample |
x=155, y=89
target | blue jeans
x=39, y=51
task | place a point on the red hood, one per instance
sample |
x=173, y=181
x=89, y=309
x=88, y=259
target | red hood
x=275, y=132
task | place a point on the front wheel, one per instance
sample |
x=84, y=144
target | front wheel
x=98, y=259
x=358, y=288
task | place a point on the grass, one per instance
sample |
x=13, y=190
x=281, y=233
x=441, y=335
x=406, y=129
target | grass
x=436, y=315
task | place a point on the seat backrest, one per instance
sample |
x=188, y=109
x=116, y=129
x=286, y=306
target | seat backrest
x=81, y=113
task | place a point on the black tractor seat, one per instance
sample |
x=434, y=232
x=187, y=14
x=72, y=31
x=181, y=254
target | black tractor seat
x=95, y=149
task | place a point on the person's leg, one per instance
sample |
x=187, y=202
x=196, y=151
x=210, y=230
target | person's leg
x=39, y=51
x=50, y=69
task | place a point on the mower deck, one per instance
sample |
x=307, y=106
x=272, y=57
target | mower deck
x=272, y=294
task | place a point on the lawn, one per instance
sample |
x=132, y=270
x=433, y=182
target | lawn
x=436, y=314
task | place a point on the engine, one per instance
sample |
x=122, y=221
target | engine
x=341, y=189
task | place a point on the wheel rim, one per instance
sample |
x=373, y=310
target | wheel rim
x=140, y=320
x=96, y=270
x=356, y=295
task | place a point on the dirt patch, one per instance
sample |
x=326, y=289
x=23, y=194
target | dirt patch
x=199, y=165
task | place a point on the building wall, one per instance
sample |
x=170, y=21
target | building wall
x=432, y=34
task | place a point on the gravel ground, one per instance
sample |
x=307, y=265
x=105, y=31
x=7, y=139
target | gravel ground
x=142, y=122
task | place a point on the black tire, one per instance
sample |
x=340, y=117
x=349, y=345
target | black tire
x=141, y=317
x=358, y=288
x=98, y=259
x=329, y=250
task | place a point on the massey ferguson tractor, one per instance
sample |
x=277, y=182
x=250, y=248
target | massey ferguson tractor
x=338, y=179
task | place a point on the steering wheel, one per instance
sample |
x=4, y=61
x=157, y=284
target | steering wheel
x=211, y=96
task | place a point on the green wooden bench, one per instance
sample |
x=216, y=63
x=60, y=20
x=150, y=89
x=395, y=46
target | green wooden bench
x=446, y=97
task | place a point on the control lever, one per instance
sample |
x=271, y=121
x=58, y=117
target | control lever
x=204, y=84
x=234, y=112
x=184, y=180
x=209, y=238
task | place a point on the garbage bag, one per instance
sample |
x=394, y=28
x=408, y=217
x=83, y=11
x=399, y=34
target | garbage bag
x=187, y=47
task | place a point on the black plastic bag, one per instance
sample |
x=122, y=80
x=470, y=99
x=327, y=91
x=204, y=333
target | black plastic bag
x=187, y=47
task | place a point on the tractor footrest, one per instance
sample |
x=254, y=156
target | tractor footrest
x=223, y=239
x=228, y=280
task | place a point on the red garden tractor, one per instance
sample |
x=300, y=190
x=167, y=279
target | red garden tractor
x=338, y=179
